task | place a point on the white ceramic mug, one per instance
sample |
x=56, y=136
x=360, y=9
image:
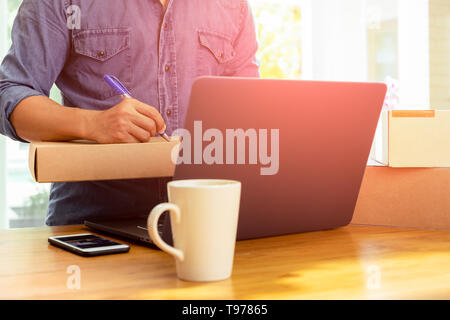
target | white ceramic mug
x=204, y=216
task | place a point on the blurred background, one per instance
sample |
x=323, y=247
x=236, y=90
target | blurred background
x=404, y=41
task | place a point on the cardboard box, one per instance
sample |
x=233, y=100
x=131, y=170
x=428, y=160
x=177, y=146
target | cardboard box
x=89, y=161
x=419, y=138
x=405, y=197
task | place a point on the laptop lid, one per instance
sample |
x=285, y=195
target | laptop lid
x=299, y=148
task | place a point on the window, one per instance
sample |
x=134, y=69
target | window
x=350, y=40
x=371, y=40
x=279, y=26
x=23, y=203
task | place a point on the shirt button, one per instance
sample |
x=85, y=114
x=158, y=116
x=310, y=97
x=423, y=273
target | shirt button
x=167, y=67
x=101, y=54
x=221, y=55
x=165, y=26
x=169, y=112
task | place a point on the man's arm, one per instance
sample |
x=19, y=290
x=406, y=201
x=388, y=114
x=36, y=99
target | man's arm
x=245, y=64
x=38, y=118
x=41, y=46
x=35, y=59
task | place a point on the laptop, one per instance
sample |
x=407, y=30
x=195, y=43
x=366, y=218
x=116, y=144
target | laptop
x=300, y=149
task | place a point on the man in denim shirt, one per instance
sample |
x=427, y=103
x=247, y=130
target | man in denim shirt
x=156, y=48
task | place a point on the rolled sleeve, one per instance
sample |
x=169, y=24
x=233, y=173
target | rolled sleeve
x=9, y=99
x=37, y=56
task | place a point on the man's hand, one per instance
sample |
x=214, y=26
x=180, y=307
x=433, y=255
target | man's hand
x=127, y=122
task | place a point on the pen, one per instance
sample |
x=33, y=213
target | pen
x=124, y=93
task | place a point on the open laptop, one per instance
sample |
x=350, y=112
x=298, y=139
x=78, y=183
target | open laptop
x=301, y=157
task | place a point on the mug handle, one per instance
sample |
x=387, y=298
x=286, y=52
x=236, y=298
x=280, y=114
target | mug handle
x=152, y=226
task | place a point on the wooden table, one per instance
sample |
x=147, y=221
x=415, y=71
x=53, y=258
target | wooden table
x=355, y=262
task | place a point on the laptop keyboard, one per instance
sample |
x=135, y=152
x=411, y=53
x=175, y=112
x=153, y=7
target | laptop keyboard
x=160, y=228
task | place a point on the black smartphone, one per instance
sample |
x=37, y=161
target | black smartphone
x=88, y=245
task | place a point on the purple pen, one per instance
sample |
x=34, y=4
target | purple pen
x=121, y=90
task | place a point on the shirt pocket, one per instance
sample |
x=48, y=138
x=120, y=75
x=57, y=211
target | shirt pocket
x=214, y=52
x=99, y=52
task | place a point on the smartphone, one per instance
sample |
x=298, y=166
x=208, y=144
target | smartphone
x=88, y=245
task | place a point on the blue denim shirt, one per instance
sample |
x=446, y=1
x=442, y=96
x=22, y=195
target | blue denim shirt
x=157, y=54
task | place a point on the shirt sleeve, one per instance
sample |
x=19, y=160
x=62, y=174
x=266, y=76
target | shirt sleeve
x=40, y=45
x=245, y=64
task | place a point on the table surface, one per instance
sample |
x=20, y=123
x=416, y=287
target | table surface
x=355, y=262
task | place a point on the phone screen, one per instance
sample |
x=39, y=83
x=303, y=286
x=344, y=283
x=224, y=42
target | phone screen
x=88, y=241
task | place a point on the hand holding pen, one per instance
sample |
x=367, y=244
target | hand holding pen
x=127, y=122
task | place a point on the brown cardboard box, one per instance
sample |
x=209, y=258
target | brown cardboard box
x=89, y=161
x=419, y=138
x=405, y=197
x=413, y=139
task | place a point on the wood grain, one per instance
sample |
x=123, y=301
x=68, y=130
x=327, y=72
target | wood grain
x=334, y=264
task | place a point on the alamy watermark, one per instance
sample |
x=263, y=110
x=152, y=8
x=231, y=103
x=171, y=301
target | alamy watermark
x=221, y=149
x=373, y=277
x=73, y=17
x=74, y=279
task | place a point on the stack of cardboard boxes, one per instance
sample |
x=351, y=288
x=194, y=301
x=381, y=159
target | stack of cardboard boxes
x=411, y=186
